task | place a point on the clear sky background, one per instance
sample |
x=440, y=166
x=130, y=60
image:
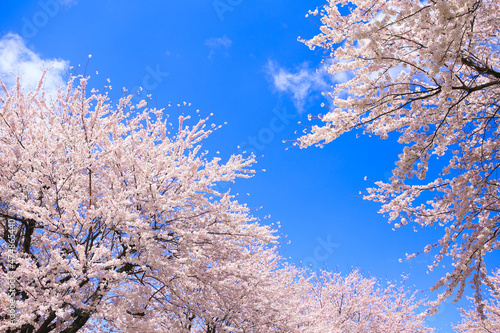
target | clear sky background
x=241, y=61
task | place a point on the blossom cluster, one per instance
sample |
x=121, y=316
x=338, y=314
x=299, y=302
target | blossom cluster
x=428, y=71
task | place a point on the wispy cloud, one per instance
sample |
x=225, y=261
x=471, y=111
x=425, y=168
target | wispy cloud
x=303, y=83
x=218, y=43
x=17, y=59
x=68, y=3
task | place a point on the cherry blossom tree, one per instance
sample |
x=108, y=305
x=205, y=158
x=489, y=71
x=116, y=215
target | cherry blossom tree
x=356, y=304
x=118, y=221
x=429, y=72
x=488, y=321
x=117, y=226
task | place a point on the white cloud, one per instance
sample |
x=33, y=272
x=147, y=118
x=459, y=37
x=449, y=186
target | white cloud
x=218, y=42
x=17, y=59
x=214, y=43
x=303, y=83
x=68, y=3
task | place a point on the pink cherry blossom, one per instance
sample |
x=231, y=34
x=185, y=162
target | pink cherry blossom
x=119, y=226
x=429, y=73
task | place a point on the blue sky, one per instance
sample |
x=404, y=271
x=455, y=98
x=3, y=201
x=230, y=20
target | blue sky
x=241, y=61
